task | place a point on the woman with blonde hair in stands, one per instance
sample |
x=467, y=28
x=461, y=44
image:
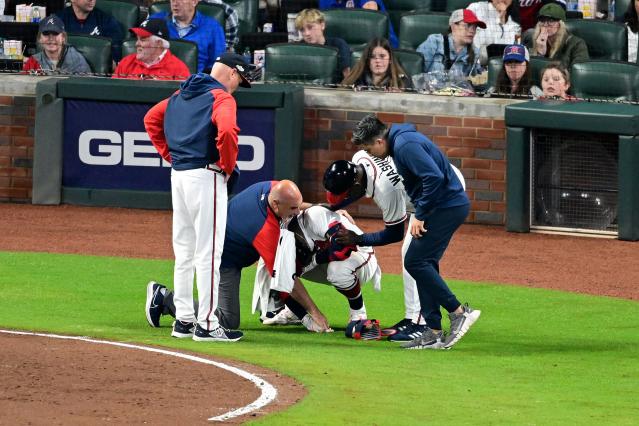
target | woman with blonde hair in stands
x=378, y=68
x=552, y=40
x=56, y=55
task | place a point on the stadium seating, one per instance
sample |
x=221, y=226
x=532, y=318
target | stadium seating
x=300, y=62
x=608, y=80
x=96, y=50
x=396, y=8
x=416, y=27
x=356, y=26
x=127, y=14
x=606, y=40
x=183, y=49
x=620, y=9
x=213, y=10
x=412, y=62
x=247, y=12
x=457, y=4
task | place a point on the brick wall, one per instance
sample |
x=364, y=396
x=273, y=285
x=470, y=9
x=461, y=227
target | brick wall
x=17, y=120
x=476, y=146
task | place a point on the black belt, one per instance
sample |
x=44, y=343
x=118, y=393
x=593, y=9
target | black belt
x=215, y=168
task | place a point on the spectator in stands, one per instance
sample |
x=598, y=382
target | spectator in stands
x=186, y=23
x=231, y=24
x=514, y=78
x=632, y=23
x=153, y=59
x=552, y=40
x=55, y=55
x=311, y=24
x=378, y=68
x=502, y=24
x=528, y=10
x=454, y=51
x=555, y=82
x=82, y=18
x=362, y=4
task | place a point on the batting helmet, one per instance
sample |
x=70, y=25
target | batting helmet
x=340, y=176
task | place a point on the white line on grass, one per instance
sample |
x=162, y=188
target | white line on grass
x=269, y=392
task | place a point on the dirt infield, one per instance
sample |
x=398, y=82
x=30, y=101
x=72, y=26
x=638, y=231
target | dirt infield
x=477, y=253
x=52, y=381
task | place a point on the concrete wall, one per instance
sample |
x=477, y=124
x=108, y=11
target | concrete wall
x=470, y=130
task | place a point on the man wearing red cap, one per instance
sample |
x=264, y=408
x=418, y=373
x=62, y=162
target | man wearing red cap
x=153, y=59
x=454, y=51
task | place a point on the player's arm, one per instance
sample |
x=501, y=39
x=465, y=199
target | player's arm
x=154, y=125
x=300, y=294
x=224, y=118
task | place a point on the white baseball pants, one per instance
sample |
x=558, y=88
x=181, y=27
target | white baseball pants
x=411, y=297
x=199, y=223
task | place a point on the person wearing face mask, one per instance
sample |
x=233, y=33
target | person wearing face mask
x=555, y=82
x=454, y=51
x=311, y=25
x=502, y=23
x=378, y=68
x=552, y=40
x=153, y=59
x=56, y=56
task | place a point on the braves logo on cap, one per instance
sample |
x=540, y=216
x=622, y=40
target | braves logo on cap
x=50, y=21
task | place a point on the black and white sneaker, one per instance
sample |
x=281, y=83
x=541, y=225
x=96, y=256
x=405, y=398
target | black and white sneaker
x=183, y=329
x=219, y=334
x=154, y=303
x=397, y=328
x=413, y=331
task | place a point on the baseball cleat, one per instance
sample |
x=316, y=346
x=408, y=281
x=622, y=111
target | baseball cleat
x=182, y=329
x=460, y=324
x=411, y=332
x=220, y=334
x=154, y=303
x=428, y=340
x=283, y=317
x=400, y=326
x=357, y=314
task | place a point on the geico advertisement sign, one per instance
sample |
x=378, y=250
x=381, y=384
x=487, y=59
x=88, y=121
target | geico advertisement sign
x=128, y=150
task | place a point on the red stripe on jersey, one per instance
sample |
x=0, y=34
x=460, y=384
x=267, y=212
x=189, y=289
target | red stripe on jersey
x=211, y=299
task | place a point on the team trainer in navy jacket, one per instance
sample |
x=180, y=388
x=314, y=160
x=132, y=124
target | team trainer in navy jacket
x=82, y=18
x=441, y=206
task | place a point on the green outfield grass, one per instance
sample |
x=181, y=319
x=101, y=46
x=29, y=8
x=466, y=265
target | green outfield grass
x=535, y=356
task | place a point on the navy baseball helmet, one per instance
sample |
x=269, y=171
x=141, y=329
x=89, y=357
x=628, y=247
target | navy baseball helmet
x=340, y=177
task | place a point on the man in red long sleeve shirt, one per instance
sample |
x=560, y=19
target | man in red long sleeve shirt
x=153, y=59
x=196, y=131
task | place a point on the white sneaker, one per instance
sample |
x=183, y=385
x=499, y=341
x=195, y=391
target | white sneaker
x=357, y=314
x=284, y=317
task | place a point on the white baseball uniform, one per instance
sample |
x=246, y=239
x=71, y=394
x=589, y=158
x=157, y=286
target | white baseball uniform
x=384, y=185
x=361, y=266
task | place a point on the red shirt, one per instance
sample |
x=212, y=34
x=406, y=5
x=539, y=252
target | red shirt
x=170, y=67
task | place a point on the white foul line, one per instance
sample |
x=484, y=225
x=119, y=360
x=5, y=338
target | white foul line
x=269, y=392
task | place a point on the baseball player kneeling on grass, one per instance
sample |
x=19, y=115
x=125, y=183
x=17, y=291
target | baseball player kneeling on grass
x=320, y=259
x=255, y=217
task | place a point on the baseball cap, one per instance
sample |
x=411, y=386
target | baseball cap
x=51, y=24
x=238, y=63
x=466, y=15
x=552, y=10
x=516, y=52
x=150, y=27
